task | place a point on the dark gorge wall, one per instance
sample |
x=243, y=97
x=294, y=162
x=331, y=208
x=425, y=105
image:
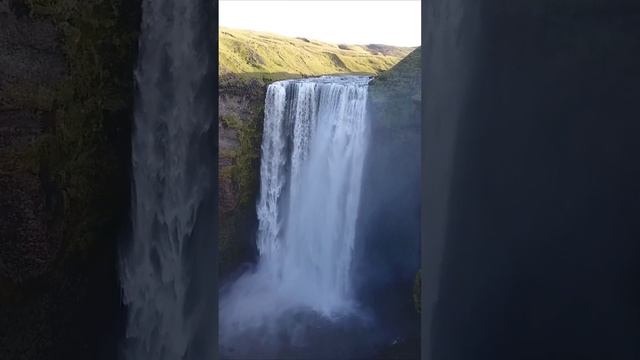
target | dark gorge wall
x=387, y=255
x=532, y=179
x=390, y=208
x=240, y=118
x=66, y=90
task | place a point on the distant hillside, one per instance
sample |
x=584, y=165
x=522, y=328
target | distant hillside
x=256, y=54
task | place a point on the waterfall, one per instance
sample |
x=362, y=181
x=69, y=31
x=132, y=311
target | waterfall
x=166, y=294
x=313, y=152
x=313, y=148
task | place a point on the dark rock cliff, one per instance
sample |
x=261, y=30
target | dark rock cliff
x=388, y=245
x=31, y=65
x=66, y=92
x=240, y=117
x=532, y=179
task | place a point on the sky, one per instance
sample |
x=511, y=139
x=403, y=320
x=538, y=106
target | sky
x=390, y=22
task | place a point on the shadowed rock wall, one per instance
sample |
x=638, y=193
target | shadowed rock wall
x=532, y=179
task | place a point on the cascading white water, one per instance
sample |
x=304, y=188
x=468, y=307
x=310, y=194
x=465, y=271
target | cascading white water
x=171, y=182
x=313, y=147
x=313, y=152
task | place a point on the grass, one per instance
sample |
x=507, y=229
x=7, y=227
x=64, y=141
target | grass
x=253, y=54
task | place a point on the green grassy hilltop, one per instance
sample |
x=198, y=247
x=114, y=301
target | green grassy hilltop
x=264, y=55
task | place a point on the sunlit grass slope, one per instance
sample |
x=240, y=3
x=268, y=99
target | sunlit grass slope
x=259, y=55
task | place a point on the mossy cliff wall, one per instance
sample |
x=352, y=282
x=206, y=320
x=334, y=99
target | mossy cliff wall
x=240, y=117
x=66, y=93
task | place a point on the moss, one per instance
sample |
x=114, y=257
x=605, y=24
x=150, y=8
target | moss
x=238, y=220
x=82, y=162
x=246, y=158
x=30, y=96
x=82, y=155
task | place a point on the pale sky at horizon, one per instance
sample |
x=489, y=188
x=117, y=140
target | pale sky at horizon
x=389, y=22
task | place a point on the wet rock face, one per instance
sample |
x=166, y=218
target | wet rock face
x=240, y=116
x=31, y=60
x=243, y=107
x=31, y=66
x=56, y=304
x=26, y=249
x=530, y=156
